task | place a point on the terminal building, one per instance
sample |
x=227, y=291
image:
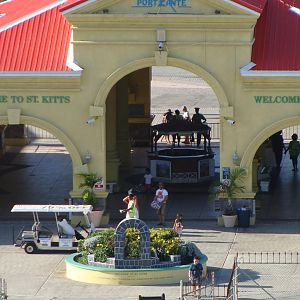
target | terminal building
x=81, y=70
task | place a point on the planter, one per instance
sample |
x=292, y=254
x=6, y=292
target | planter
x=96, y=216
x=229, y=221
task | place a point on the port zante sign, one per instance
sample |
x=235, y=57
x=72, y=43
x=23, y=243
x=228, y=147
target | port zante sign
x=277, y=99
x=162, y=3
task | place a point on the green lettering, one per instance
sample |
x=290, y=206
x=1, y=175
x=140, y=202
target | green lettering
x=258, y=99
x=292, y=99
x=3, y=99
x=32, y=99
x=67, y=99
x=277, y=99
x=45, y=99
x=284, y=99
x=17, y=99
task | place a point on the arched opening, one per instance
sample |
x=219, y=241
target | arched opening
x=275, y=178
x=37, y=161
x=139, y=100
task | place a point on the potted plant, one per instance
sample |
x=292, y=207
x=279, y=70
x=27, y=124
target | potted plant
x=229, y=188
x=89, y=197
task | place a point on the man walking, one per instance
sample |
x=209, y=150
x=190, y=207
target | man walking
x=161, y=196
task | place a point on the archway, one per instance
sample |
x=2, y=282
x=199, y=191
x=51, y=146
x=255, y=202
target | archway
x=149, y=62
x=40, y=170
x=274, y=179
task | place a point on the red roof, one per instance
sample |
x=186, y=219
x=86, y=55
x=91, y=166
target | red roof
x=277, y=38
x=38, y=44
x=36, y=37
x=256, y=5
x=13, y=10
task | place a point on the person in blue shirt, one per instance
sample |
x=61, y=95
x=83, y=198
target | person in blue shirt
x=195, y=274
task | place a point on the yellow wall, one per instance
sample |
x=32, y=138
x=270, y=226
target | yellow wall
x=109, y=46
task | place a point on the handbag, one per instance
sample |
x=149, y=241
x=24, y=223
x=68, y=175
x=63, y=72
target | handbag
x=156, y=204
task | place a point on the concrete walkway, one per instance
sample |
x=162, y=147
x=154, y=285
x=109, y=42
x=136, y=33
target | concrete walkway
x=42, y=276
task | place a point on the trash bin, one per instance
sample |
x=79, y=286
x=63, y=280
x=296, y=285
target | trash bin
x=243, y=216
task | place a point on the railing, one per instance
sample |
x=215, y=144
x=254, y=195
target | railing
x=3, y=289
x=232, y=288
x=213, y=120
x=207, y=290
x=268, y=258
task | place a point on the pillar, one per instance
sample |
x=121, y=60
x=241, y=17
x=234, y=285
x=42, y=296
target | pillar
x=123, y=142
x=112, y=157
x=14, y=135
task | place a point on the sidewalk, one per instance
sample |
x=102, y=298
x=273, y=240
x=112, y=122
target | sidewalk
x=42, y=276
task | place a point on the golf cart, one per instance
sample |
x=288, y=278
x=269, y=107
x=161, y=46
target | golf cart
x=41, y=237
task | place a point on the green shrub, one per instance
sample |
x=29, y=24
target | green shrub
x=164, y=242
x=132, y=243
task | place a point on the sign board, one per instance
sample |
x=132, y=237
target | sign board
x=226, y=173
x=65, y=242
x=99, y=185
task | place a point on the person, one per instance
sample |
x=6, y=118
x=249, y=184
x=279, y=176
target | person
x=294, y=149
x=132, y=210
x=161, y=196
x=177, y=119
x=195, y=274
x=147, y=180
x=186, y=118
x=67, y=229
x=278, y=147
x=178, y=224
x=197, y=119
x=167, y=118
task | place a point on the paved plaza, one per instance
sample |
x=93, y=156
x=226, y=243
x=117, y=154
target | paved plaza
x=42, y=276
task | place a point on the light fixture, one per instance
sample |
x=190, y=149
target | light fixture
x=87, y=157
x=230, y=121
x=90, y=120
x=235, y=157
x=161, y=38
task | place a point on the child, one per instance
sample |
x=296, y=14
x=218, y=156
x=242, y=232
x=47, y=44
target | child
x=147, y=181
x=195, y=274
x=178, y=225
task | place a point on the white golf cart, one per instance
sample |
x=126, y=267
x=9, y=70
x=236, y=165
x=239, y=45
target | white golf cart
x=41, y=237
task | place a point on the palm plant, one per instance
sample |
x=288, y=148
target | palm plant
x=229, y=188
x=88, y=194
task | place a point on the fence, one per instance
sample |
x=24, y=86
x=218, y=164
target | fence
x=213, y=120
x=3, y=289
x=207, y=290
x=268, y=258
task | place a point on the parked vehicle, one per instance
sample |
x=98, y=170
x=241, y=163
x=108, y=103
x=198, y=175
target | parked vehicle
x=41, y=237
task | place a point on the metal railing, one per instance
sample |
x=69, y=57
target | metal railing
x=232, y=288
x=268, y=258
x=213, y=120
x=3, y=289
x=207, y=290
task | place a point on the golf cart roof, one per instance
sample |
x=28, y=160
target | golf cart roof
x=85, y=209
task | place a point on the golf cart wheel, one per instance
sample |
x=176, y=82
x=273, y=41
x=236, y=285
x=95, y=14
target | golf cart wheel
x=30, y=248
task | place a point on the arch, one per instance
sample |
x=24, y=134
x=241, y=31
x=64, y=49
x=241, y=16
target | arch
x=262, y=136
x=120, y=239
x=149, y=62
x=74, y=154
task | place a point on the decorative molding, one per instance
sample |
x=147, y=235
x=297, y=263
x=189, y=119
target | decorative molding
x=13, y=116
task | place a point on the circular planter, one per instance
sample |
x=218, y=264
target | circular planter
x=109, y=276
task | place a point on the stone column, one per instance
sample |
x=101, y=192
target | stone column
x=112, y=158
x=123, y=141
